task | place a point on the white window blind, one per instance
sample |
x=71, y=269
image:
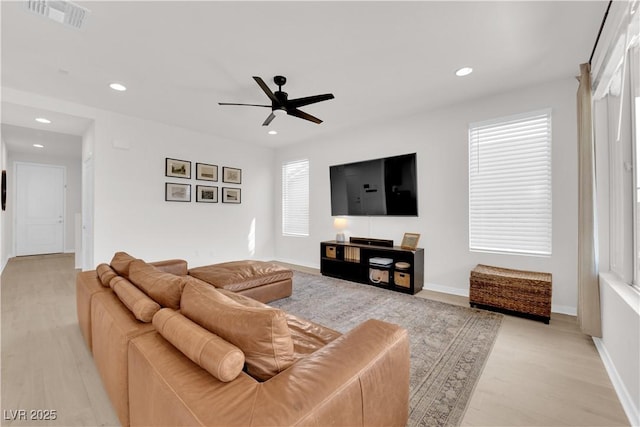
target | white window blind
x=510, y=184
x=295, y=198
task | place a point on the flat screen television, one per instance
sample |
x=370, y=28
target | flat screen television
x=379, y=187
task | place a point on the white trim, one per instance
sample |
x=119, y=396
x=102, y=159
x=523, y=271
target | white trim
x=632, y=412
x=628, y=293
x=446, y=289
x=297, y=262
x=564, y=309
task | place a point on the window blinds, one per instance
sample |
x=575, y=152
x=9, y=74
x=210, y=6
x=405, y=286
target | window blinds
x=295, y=198
x=510, y=184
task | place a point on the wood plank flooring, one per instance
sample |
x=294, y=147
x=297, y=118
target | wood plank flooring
x=543, y=375
x=46, y=365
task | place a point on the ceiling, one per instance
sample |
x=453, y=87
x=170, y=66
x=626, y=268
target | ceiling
x=381, y=59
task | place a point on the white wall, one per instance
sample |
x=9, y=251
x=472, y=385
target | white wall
x=129, y=210
x=440, y=140
x=73, y=195
x=620, y=343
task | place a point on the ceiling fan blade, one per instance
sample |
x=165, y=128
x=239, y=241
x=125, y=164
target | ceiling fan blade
x=266, y=89
x=300, y=102
x=249, y=105
x=301, y=114
x=269, y=119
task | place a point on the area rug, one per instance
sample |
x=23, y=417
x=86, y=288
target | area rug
x=449, y=344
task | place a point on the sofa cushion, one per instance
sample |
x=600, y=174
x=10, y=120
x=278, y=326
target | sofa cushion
x=105, y=274
x=241, y=275
x=307, y=336
x=164, y=288
x=173, y=266
x=121, y=262
x=261, y=333
x=142, y=307
x=220, y=358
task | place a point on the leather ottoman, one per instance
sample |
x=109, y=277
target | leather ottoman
x=260, y=280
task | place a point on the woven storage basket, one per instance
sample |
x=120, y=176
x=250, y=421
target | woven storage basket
x=524, y=292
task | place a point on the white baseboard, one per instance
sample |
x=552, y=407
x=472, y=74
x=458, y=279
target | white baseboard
x=564, y=309
x=446, y=289
x=301, y=264
x=630, y=409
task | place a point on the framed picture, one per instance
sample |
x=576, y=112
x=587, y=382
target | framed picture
x=231, y=175
x=206, y=194
x=206, y=172
x=177, y=192
x=177, y=168
x=230, y=195
x=410, y=241
x=4, y=190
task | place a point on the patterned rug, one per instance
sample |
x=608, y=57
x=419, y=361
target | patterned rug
x=449, y=344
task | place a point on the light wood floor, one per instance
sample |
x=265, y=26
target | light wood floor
x=537, y=374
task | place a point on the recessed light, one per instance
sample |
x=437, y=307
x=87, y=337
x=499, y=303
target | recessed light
x=43, y=120
x=464, y=71
x=273, y=132
x=117, y=86
x=38, y=145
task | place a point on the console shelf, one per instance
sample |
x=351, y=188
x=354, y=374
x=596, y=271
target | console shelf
x=350, y=261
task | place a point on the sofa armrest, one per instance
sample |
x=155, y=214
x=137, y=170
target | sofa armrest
x=361, y=378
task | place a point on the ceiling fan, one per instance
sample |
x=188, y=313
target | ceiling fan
x=281, y=104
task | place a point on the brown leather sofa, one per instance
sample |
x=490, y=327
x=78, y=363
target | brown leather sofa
x=175, y=350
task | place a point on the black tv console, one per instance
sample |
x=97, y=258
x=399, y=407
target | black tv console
x=350, y=261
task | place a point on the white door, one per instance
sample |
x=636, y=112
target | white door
x=39, y=209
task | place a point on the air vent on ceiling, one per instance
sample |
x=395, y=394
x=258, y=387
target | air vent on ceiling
x=64, y=12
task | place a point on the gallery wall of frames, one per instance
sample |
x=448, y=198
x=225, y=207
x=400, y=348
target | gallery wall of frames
x=205, y=175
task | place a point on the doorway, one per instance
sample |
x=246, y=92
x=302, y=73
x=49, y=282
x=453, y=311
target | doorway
x=40, y=205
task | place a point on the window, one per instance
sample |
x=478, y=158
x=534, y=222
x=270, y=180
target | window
x=510, y=184
x=616, y=120
x=295, y=198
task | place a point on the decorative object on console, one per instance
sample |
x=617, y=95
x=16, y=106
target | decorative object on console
x=410, y=241
x=177, y=192
x=230, y=195
x=231, y=175
x=371, y=242
x=177, y=168
x=379, y=270
x=206, y=172
x=340, y=223
x=206, y=194
x=402, y=274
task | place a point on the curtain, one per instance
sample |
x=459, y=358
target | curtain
x=588, y=286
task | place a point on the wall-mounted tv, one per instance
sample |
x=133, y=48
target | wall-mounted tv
x=378, y=187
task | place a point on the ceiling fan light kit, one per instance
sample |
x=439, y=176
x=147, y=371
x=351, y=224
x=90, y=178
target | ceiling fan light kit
x=281, y=104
